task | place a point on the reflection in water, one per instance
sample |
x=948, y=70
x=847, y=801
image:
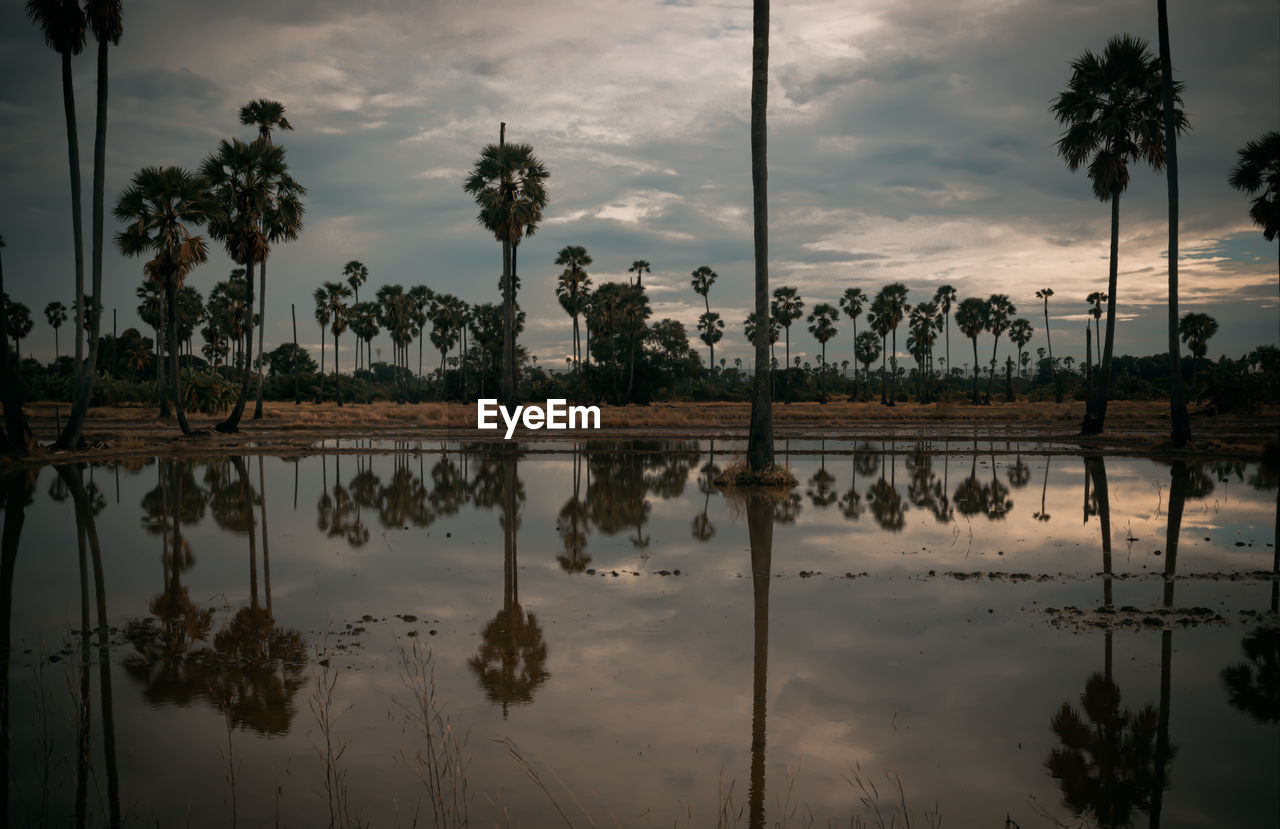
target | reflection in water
x=16, y=487
x=511, y=661
x=760, y=534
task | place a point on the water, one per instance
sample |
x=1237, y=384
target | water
x=994, y=629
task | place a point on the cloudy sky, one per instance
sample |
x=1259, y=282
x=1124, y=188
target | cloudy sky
x=908, y=142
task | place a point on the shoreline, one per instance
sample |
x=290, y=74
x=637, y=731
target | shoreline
x=1135, y=428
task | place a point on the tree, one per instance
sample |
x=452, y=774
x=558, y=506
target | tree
x=866, y=348
x=999, y=309
x=1020, y=332
x=639, y=267
x=1195, y=330
x=702, y=279
x=1113, y=113
x=573, y=288
x=1045, y=293
x=56, y=314
x=357, y=274
x=20, y=325
x=1096, y=300
x=822, y=326
x=710, y=330
x=266, y=115
x=1257, y=173
x=259, y=204
x=923, y=329
x=288, y=360
x=760, y=432
x=321, y=298
x=334, y=294
x=65, y=29
x=851, y=303
x=892, y=300
x=158, y=209
x=945, y=297
x=787, y=307
x=420, y=298
x=508, y=182
x=971, y=319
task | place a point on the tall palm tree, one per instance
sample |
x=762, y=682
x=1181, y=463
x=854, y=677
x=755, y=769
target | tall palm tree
x=259, y=204
x=822, y=326
x=945, y=297
x=1180, y=423
x=357, y=274
x=1020, y=332
x=1195, y=330
x=865, y=350
x=1096, y=300
x=1113, y=112
x=158, y=209
x=760, y=432
x=56, y=314
x=1045, y=293
x=334, y=296
x=999, y=309
x=851, y=303
x=971, y=319
x=65, y=30
x=574, y=285
x=702, y=279
x=787, y=307
x=266, y=115
x=20, y=325
x=420, y=299
x=640, y=267
x=508, y=182
x=710, y=331
x=15, y=436
x=1257, y=173
x=322, y=317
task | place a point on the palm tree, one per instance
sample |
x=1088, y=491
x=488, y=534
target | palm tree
x=1095, y=300
x=971, y=319
x=866, y=348
x=1020, y=332
x=1045, y=293
x=266, y=115
x=508, y=182
x=894, y=304
x=574, y=286
x=15, y=436
x=787, y=307
x=357, y=274
x=702, y=279
x=923, y=327
x=1257, y=173
x=334, y=294
x=639, y=267
x=158, y=210
x=20, y=325
x=945, y=297
x=999, y=309
x=322, y=317
x=420, y=298
x=1195, y=330
x=710, y=330
x=65, y=29
x=851, y=303
x=1113, y=114
x=259, y=204
x=56, y=313
x=760, y=432
x=822, y=327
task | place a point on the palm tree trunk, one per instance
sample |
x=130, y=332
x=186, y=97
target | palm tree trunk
x=1053, y=371
x=760, y=534
x=16, y=434
x=1181, y=423
x=992, y=376
x=1095, y=421
x=893, y=369
x=262, y=324
x=77, y=210
x=320, y=393
x=232, y=423
x=786, y=370
x=508, y=323
x=975, y=369
x=760, y=431
x=175, y=378
x=884, y=377
x=14, y=517
x=337, y=386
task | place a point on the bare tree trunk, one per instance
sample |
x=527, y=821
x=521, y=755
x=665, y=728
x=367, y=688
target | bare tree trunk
x=760, y=433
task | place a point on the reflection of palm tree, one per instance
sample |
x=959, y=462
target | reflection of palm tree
x=887, y=506
x=511, y=661
x=1253, y=686
x=1042, y=515
x=703, y=529
x=573, y=525
x=1096, y=471
x=760, y=533
x=820, y=491
x=16, y=488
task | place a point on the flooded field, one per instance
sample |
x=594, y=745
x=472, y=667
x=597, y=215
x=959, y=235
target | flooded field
x=591, y=635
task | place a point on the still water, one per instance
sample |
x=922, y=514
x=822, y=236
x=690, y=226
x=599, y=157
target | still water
x=590, y=634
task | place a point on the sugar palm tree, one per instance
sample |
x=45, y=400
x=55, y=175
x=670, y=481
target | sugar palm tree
x=971, y=319
x=999, y=309
x=1096, y=301
x=1044, y=294
x=710, y=331
x=266, y=115
x=334, y=296
x=702, y=279
x=822, y=326
x=574, y=286
x=894, y=305
x=357, y=274
x=159, y=209
x=1020, y=332
x=508, y=182
x=1113, y=113
x=787, y=307
x=1257, y=173
x=420, y=298
x=259, y=204
x=851, y=303
x=56, y=314
x=865, y=350
x=1195, y=330
x=322, y=317
x=760, y=432
x=15, y=435
x=20, y=325
x=945, y=297
x=640, y=267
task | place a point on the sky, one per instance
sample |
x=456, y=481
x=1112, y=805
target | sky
x=908, y=142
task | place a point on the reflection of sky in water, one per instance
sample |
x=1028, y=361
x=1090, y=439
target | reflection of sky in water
x=949, y=683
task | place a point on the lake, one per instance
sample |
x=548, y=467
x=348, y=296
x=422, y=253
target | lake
x=590, y=634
